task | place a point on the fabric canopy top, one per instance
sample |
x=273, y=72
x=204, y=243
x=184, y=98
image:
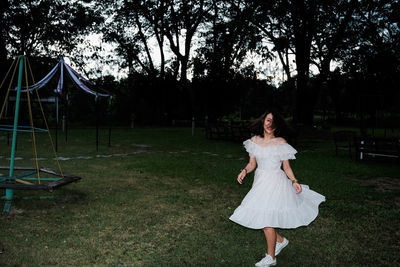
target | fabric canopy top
x=75, y=76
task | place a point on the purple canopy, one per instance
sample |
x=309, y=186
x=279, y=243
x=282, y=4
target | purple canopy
x=75, y=76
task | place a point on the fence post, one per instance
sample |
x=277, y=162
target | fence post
x=132, y=120
x=63, y=123
x=193, y=125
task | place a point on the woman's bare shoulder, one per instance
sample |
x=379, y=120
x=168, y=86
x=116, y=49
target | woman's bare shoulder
x=254, y=138
x=281, y=140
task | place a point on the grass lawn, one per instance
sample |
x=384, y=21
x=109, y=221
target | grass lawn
x=168, y=204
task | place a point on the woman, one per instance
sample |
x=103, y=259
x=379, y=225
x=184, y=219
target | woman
x=276, y=199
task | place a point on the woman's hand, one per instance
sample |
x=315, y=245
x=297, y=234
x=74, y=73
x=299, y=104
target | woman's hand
x=241, y=176
x=298, y=188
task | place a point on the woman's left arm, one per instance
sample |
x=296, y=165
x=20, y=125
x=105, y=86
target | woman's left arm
x=289, y=173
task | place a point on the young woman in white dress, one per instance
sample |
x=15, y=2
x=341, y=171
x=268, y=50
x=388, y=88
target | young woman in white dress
x=276, y=199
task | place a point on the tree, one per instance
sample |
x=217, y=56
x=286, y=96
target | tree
x=227, y=38
x=44, y=28
x=290, y=27
x=126, y=31
x=154, y=12
x=180, y=26
x=373, y=63
x=271, y=18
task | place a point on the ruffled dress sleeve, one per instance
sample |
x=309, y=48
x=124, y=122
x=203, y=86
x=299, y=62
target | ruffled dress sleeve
x=287, y=152
x=250, y=148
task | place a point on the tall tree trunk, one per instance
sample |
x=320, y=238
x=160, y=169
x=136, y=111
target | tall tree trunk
x=162, y=57
x=303, y=19
x=324, y=68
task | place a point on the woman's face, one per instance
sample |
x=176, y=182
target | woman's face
x=268, y=124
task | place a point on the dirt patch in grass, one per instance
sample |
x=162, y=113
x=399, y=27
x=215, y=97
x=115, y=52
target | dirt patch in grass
x=384, y=185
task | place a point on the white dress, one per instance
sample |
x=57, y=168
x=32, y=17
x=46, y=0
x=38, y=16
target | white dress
x=272, y=201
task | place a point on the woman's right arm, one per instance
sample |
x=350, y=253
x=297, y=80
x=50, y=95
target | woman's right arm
x=249, y=168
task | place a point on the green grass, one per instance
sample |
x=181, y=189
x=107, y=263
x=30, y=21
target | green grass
x=169, y=206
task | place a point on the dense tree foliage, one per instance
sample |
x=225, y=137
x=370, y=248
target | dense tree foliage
x=44, y=27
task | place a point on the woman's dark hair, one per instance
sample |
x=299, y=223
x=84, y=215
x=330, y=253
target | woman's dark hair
x=278, y=122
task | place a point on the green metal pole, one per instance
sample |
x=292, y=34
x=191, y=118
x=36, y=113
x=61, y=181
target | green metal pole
x=9, y=192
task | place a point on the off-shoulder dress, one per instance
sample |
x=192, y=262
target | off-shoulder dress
x=272, y=201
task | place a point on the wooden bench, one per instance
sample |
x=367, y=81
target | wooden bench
x=377, y=147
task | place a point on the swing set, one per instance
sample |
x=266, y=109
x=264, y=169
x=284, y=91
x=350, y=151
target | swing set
x=27, y=178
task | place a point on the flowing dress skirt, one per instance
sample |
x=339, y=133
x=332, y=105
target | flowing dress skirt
x=272, y=202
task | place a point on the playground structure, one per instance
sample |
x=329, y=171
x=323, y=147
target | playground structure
x=28, y=178
x=80, y=82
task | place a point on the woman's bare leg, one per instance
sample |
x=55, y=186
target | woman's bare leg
x=279, y=238
x=270, y=236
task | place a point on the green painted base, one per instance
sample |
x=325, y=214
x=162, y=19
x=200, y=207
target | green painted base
x=7, y=207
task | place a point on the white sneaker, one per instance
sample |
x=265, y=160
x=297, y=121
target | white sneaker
x=266, y=261
x=280, y=246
